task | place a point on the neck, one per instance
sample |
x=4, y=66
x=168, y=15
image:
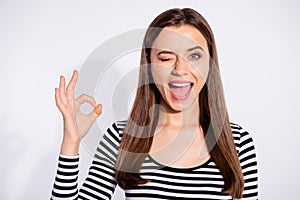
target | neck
x=179, y=119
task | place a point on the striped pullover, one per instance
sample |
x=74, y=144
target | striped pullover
x=201, y=182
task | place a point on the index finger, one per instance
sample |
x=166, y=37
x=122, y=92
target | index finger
x=73, y=80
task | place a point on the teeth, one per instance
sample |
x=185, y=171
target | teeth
x=180, y=84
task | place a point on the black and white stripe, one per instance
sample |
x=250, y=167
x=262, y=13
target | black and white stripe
x=65, y=185
x=202, y=182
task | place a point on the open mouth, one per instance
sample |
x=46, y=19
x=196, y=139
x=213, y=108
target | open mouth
x=180, y=90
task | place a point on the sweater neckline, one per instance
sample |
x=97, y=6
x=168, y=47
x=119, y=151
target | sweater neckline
x=182, y=169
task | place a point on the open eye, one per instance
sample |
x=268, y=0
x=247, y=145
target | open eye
x=194, y=56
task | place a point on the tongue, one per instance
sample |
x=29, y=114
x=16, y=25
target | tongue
x=179, y=92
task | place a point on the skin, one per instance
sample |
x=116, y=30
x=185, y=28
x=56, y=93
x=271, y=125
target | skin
x=76, y=124
x=178, y=138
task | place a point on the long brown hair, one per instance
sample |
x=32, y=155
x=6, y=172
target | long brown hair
x=138, y=134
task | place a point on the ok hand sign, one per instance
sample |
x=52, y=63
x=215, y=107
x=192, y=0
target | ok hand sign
x=76, y=124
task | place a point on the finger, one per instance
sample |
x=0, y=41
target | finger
x=98, y=109
x=72, y=83
x=96, y=112
x=57, y=99
x=86, y=98
x=62, y=89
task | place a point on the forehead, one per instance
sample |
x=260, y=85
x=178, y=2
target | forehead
x=179, y=39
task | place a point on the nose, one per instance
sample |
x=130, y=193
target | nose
x=180, y=67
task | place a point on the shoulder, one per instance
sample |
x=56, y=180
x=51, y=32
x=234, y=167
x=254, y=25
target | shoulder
x=242, y=138
x=110, y=142
x=247, y=156
x=115, y=132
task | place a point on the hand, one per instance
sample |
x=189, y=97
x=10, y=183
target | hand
x=76, y=124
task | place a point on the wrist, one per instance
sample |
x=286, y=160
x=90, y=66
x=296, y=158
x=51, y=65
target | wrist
x=71, y=138
x=69, y=148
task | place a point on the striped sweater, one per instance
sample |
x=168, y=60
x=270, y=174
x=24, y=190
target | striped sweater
x=201, y=182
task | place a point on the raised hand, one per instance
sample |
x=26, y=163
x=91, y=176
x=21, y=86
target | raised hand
x=76, y=124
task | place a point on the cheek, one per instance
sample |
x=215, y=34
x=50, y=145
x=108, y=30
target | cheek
x=201, y=81
x=201, y=68
x=160, y=74
x=200, y=76
x=160, y=78
x=200, y=72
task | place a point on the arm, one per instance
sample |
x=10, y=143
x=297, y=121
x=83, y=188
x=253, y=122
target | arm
x=247, y=156
x=100, y=182
x=65, y=185
x=76, y=126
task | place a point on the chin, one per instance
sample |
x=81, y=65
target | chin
x=179, y=106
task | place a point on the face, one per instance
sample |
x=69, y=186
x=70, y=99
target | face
x=179, y=65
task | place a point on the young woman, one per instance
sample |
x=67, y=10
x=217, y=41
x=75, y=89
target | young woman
x=178, y=142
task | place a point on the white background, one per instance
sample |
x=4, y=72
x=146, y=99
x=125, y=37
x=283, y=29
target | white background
x=258, y=44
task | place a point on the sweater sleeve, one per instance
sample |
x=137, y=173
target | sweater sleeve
x=247, y=156
x=100, y=182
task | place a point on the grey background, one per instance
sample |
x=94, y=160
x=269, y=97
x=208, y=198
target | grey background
x=258, y=45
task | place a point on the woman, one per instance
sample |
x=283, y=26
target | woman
x=178, y=142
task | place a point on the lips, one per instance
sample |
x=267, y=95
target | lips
x=180, y=90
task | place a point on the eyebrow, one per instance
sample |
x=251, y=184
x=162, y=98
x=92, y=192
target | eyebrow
x=196, y=47
x=165, y=52
x=170, y=52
